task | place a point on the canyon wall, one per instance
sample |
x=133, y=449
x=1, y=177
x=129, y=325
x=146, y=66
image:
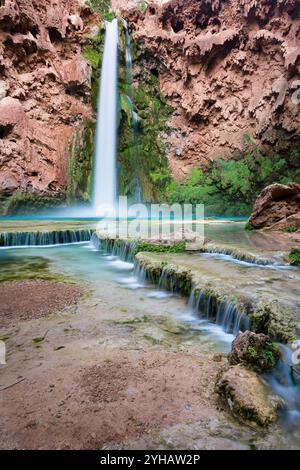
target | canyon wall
x=228, y=68
x=44, y=91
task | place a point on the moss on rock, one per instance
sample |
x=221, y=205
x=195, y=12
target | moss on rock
x=275, y=320
x=246, y=396
x=255, y=351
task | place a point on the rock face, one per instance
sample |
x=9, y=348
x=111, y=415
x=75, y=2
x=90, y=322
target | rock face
x=277, y=207
x=275, y=320
x=228, y=68
x=44, y=90
x=253, y=350
x=247, y=396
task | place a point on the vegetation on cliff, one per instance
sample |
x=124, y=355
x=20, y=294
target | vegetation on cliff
x=229, y=187
x=142, y=151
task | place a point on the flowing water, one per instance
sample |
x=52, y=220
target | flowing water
x=212, y=327
x=105, y=179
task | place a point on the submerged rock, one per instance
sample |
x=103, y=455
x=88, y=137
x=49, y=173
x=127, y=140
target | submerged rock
x=277, y=207
x=247, y=396
x=275, y=320
x=254, y=350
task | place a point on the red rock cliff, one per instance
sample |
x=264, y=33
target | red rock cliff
x=44, y=90
x=228, y=68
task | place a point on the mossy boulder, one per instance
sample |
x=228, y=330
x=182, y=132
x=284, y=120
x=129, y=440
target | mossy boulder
x=247, y=396
x=254, y=351
x=275, y=320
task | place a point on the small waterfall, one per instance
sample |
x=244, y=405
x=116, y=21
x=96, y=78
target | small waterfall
x=55, y=237
x=105, y=180
x=128, y=56
x=222, y=312
x=123, y=249
x=135, y=183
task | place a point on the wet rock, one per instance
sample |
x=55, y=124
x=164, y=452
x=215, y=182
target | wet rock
x=277, y=207
x=217, y=357
x=247, y=396
x=253, y=350
x=275, y=320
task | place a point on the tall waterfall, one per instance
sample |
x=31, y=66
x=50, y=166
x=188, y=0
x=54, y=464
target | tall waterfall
x=105, y=180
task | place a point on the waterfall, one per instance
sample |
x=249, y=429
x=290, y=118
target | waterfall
x=128, y=56
x=105, y=180
x=54, y=237
x=135, y=183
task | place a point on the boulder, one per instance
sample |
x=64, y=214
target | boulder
x=275, y=320
x=277, y=207
x=255, y=351
x=246, y=395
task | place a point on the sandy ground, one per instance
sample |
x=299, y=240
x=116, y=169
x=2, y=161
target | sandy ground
x=97, y=382
x=33, y=299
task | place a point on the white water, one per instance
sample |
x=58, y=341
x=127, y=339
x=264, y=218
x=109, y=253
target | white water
x=105, y=180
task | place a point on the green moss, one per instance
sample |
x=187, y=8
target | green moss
x=249, y=227
x=92, y=52
x=80, y=165
x=102, y=7
x=26, y=203
x=263, y=360
x=142, y=152
x=159, y=248
x=291, y=229
x=142, y=6
x=15, y=268
x=294, y=257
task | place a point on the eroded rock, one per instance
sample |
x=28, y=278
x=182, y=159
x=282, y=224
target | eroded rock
x=255, y=351
x=277, y=207
x=227, y=68
x=247, y=396
x=275, y=320
x=44, y=91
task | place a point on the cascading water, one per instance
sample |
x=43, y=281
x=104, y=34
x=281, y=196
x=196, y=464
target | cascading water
x=105, y=180
x=135, y=183
x=54, y=237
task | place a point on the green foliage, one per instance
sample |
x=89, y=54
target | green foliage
x=229, y=187
x=80, y=165
x=92, y=52
x=294, y=257
x=291, y=229
x=28, y=202
x=142, y=153
x=249, y=227
x=159, y=248
x=263, y=359
x=252, y=351
x=102, y=7
x=125, y=106
x=142, y=6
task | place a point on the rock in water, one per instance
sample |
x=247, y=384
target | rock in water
x=277, y=207
x=254, y=350
x=275, y=320
x=247, y=396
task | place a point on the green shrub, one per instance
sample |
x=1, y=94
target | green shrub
x=178, y=247
x=294, y=257
x=290, y=229
x=230, y=187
